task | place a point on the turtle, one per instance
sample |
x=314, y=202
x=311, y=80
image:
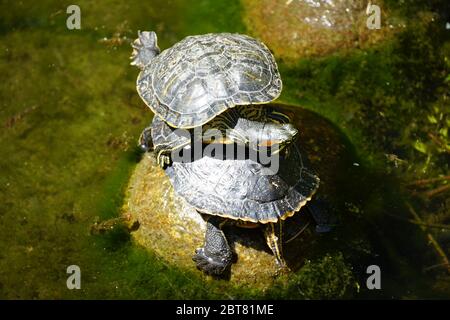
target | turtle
x=240, y=192
x=251, y=126
x=202, y=76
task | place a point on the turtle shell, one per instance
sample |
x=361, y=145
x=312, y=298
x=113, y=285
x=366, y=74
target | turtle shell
x=201, y=76
x=241, y=189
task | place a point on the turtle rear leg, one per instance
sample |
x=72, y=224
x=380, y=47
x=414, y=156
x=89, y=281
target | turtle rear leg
x=145, y=48
x=273, y=232
x=215, y=255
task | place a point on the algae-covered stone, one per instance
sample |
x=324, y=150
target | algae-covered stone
x=300, y=28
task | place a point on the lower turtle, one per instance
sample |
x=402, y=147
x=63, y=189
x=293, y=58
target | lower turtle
x=242, y=192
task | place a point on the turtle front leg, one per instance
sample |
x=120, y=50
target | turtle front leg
x=146, y=144
x=215, y=255
x=273, y=232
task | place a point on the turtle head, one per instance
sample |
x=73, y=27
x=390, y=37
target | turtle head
x=258, y=135
x=281, y=134
x=145, y=48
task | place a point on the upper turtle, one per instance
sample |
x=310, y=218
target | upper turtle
x=202, y=76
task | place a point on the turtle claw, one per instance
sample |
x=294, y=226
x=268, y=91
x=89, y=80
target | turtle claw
x=282, y=268
x=212, y=265
x=164, y=161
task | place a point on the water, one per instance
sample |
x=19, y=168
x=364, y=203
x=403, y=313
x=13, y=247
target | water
x=71, y=116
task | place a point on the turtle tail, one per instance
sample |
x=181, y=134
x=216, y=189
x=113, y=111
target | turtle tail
x=145, y=48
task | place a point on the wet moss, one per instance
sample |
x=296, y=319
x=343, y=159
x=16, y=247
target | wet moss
x=330, y=277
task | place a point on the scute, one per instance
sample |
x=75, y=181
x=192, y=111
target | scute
x=202, y=76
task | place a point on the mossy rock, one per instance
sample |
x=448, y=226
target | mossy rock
x=299, y=29
x=173, y=229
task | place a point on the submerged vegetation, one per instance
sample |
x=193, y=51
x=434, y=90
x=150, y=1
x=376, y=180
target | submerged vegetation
x=70, y=119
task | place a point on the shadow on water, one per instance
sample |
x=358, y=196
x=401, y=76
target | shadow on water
x=366, y=201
